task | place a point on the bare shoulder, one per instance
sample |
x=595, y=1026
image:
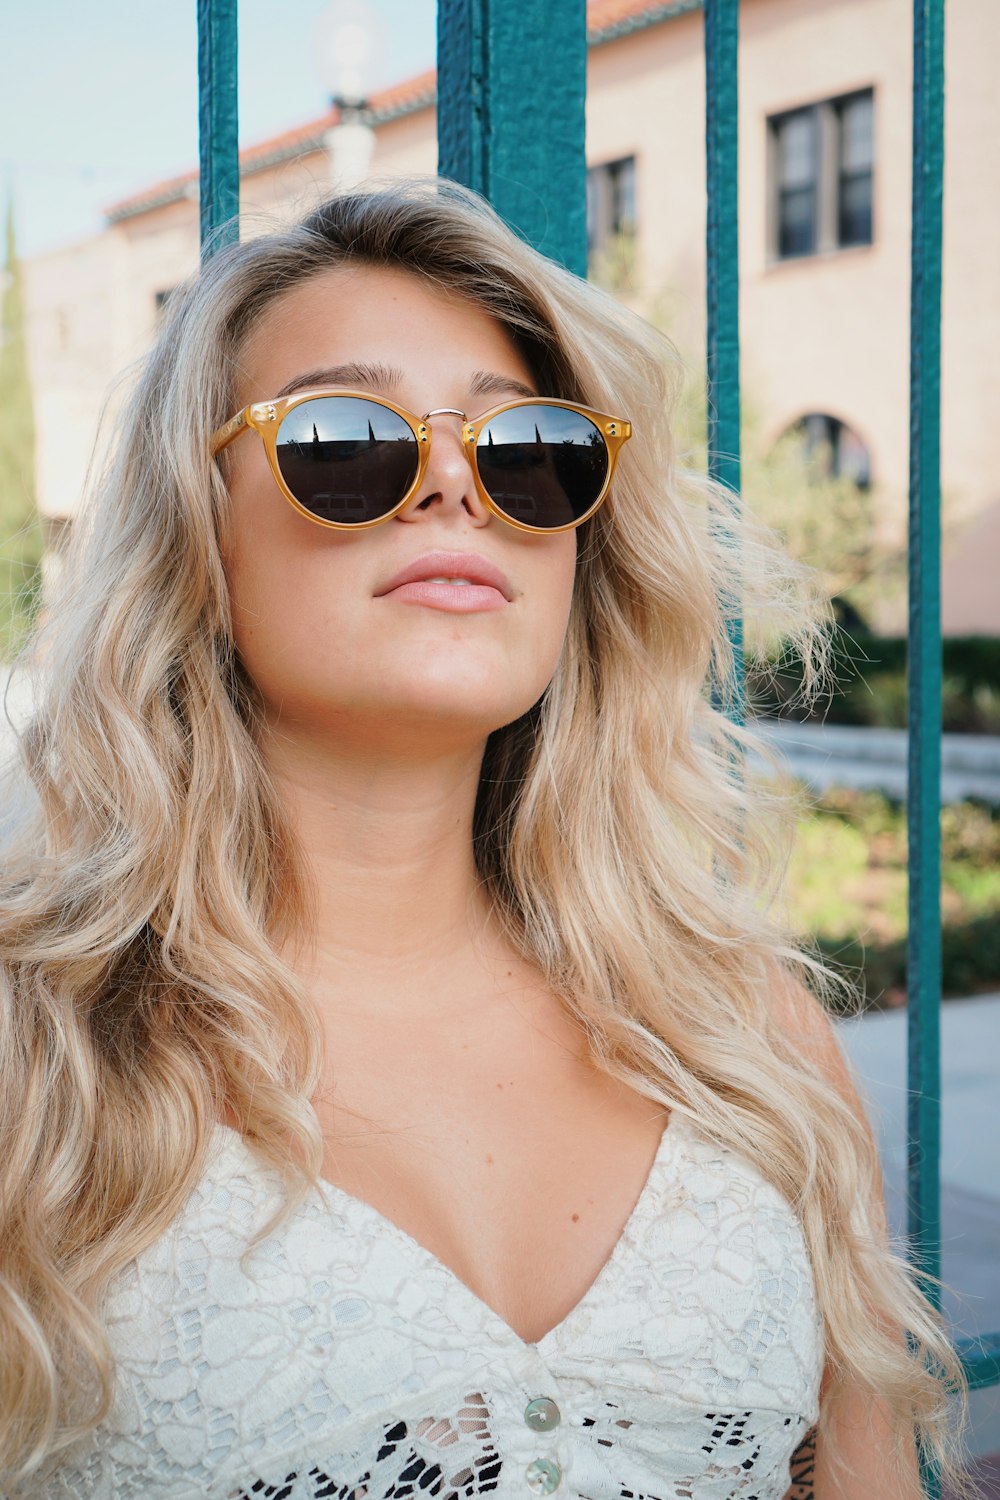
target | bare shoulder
x=805, y=1021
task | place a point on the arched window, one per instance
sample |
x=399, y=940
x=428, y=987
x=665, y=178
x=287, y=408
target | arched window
x=833, y=449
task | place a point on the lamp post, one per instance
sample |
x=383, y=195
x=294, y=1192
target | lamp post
x=347, y=42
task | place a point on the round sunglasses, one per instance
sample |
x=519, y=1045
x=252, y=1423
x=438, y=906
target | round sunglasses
x=348, y=460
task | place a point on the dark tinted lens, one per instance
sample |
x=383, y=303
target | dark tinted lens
x=346, y=459
x=543, y=465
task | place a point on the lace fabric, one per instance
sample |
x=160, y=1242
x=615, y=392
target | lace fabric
x=348, y=1362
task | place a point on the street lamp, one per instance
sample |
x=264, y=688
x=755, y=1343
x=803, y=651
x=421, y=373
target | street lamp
x=348, y=40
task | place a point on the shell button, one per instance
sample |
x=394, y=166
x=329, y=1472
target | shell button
x=542, y=1415
x=543, y=1476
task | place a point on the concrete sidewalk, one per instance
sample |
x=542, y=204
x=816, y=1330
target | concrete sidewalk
x=970, y=1162
x=826, y=755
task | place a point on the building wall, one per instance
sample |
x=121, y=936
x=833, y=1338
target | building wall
x=78, y=340
x=92, y=310
x=824, y=333
x=646, y=97
x=830, y=333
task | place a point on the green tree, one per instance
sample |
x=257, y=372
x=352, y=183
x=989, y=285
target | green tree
x=21, y=539
x=614, y=266
x=825, y=520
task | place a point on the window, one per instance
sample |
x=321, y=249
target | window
x=832, y=449
x=611, y=247
x=798, y=183
x=610, y=203
x=820, y=176
x=854, y=170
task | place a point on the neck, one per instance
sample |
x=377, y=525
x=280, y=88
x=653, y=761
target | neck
x=385, y=840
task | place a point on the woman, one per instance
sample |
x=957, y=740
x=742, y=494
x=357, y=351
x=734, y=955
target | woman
x=408, y=1084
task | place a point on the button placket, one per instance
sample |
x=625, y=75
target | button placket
x=543, y=1475
x=542, y=1414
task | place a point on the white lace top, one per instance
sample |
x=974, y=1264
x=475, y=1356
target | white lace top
x=350, y=1363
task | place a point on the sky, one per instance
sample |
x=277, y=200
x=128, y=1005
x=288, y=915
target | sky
x=101, y=100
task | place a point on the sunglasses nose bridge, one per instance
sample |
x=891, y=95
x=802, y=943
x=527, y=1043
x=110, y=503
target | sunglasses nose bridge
x=444, y=411
x=450, y=411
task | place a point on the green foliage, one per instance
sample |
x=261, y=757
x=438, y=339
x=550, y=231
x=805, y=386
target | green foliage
x=824, y=520
x=871, y=684
x=847, y=890
x=20, y=531
x=614, y=266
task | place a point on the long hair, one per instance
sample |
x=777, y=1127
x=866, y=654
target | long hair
x=149, y=873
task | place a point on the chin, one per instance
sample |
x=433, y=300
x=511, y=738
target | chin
x=491, y=694
x=460, y=719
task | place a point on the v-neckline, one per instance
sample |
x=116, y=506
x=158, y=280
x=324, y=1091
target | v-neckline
x=361, y=1208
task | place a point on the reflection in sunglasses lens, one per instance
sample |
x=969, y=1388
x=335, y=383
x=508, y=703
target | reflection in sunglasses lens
x=346, y=459
x=543, y=465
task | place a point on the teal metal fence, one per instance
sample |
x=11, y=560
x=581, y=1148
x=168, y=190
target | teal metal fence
x=511, y=101
x=722, y=308
x=512, y=88
x=218, y=135
x=923, y=805
x=980, y=1356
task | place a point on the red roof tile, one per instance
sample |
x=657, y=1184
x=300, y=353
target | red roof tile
x=401, y=98
x=606, y=19
x=604, y=15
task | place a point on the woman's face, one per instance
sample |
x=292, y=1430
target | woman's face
x=331, y=644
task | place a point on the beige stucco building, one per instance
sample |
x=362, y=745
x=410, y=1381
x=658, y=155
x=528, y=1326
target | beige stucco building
x=824, y=243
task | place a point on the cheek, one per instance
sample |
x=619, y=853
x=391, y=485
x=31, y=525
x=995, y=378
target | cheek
x=557, y=596
x=288, y=602
x=269, y=556
x=564, y=574
x=246, y=526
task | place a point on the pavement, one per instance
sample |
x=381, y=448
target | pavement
x=875, y=1044
x=827, y=755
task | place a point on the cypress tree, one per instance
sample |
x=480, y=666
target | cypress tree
x=21, y=538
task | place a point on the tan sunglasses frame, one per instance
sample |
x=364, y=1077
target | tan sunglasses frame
x=266, y=417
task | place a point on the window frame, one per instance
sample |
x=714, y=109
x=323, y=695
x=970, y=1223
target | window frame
x=822, y=428
x=602, y=189
x=828, y=179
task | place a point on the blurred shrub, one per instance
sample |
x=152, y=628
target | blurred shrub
x=20, y=530
x=870, y=675
x=847, y=889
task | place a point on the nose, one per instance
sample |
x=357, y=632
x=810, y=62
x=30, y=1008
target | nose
x=448, y=486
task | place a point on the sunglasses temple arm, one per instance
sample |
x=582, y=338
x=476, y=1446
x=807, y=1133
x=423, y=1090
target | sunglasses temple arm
x=231, y=429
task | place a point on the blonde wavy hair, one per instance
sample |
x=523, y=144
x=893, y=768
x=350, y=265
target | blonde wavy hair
x=149, y=874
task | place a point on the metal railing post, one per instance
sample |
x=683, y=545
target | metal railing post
x=924, y=643
x=980, y=1355
x=512, y=84
x=722, y=277
x=218, y=139
x=923, y=808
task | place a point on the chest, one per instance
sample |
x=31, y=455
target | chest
x=360, y=1365
x=517, y=1171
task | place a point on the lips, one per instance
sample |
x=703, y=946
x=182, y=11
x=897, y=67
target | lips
x=450, y=565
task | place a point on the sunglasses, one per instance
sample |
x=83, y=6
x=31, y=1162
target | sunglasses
x=349, y=460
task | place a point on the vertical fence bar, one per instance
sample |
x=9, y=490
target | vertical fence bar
x=923, y=960
x=723, y=304
x=512, y=83
x=924, y=648
x=218, y=137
